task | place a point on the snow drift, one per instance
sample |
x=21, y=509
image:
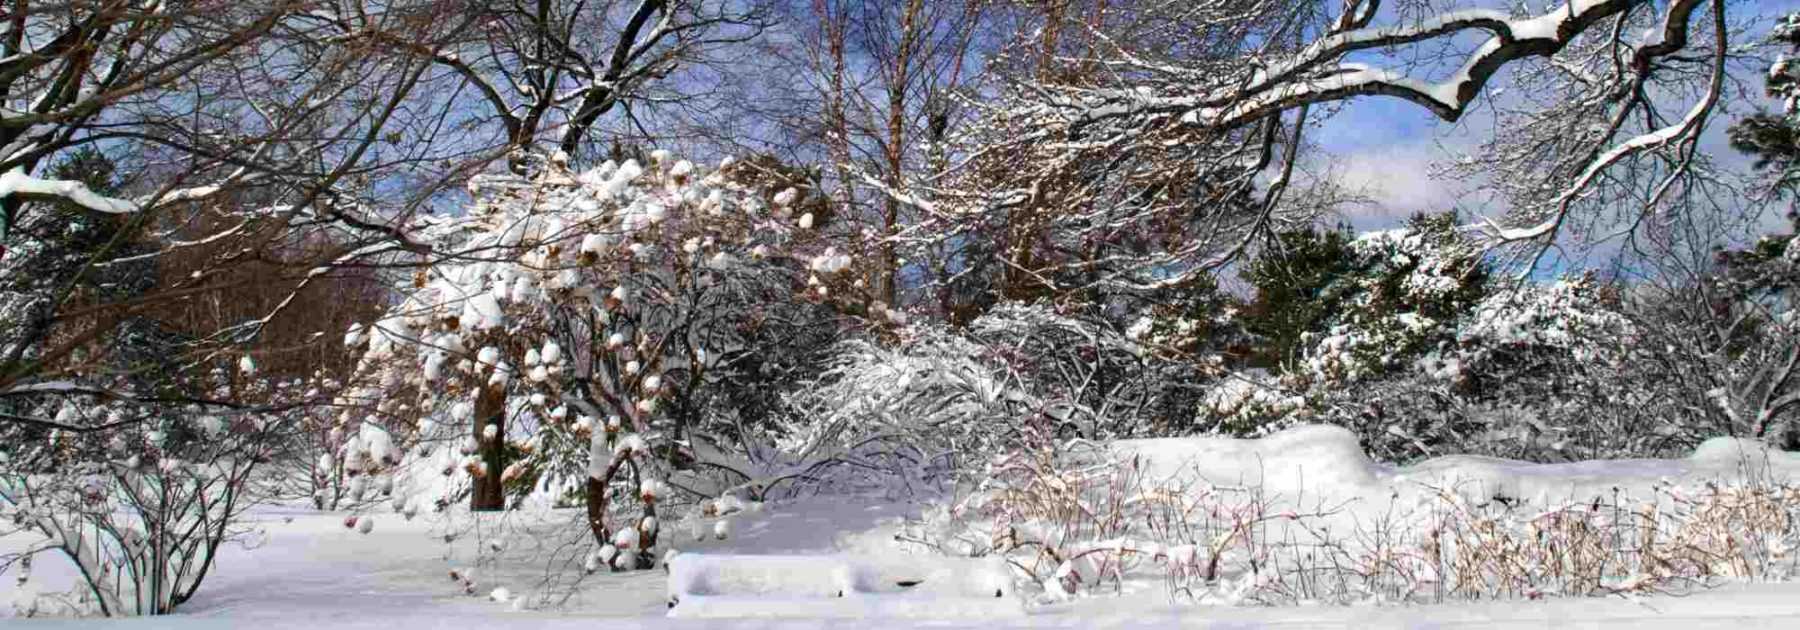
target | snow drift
x=1325, y=462
x=706, y=585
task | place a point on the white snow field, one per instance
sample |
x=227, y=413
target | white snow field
x=813, y=562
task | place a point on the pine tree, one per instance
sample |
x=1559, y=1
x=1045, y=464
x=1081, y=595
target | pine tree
x=1290, y=280
x=1774, y=138
x=1316, y=282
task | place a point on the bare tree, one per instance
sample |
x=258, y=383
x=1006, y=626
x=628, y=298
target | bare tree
x=546, y=72
x=153, y=154
x=876, y=100
x=1184, y=122
x=236, y=129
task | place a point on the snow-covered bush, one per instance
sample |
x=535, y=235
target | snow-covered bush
x=556, y=336
x=926, y=405
x=1399, y=337
x=1537, y=372
x=918, y=409
x=1419, y=357
x=133, y=433
x=1550, y=371
x=138, y=497
x=1570, y=315
x=1406, y=289
x=1354, y=311
x=1722, y=347
x=1533, y=373
x=1097, y=381
x=1250, y=404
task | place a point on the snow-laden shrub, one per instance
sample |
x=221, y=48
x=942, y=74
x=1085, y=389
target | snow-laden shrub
x=1533, y=372
x=1097, y=381
x=138, y=497
x=1722, y=349
x=1569, y=316
x=926, y=403
x=1250, y=404
x=916, y=410
x=1407, y=289
x=1410, y=348
x=553, y=343
x=1356, y=311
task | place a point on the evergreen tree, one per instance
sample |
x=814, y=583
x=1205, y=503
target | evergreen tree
x=62, y=255
x=1398, y=285
x=1290, y=280
x=1774, y=138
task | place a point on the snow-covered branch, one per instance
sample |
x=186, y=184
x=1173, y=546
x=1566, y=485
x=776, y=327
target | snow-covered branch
x=15, y=183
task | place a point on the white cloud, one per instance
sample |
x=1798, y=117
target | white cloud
x=1396, y=181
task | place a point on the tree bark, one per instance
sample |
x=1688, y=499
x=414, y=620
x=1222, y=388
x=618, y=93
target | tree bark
x=596, y=511
x=488, y=494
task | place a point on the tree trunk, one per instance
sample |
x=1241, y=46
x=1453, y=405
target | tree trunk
x=488, y=494
x=596, y=511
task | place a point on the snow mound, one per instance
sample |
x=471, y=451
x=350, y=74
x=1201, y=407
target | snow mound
x=1326, y=462
x=731, y=586
x=791, y=576
x=1297, y=459
x=1733, y=452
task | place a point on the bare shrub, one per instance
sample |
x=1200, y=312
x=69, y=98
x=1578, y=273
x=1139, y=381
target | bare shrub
x=1078, y=517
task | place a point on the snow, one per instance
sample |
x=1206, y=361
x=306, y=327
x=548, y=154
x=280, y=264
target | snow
x=812, y=562
x=830, y=262
x=16, y=182
x=696, y=575
x=626, y=538
x=1326, y=462
x=44, y=387
x=786, y=197
x=308, y=572
x=1290, y=460
x=482, y=312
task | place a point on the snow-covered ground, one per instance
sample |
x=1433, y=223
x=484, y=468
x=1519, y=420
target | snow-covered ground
x=312, y=573
x=309, y=571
